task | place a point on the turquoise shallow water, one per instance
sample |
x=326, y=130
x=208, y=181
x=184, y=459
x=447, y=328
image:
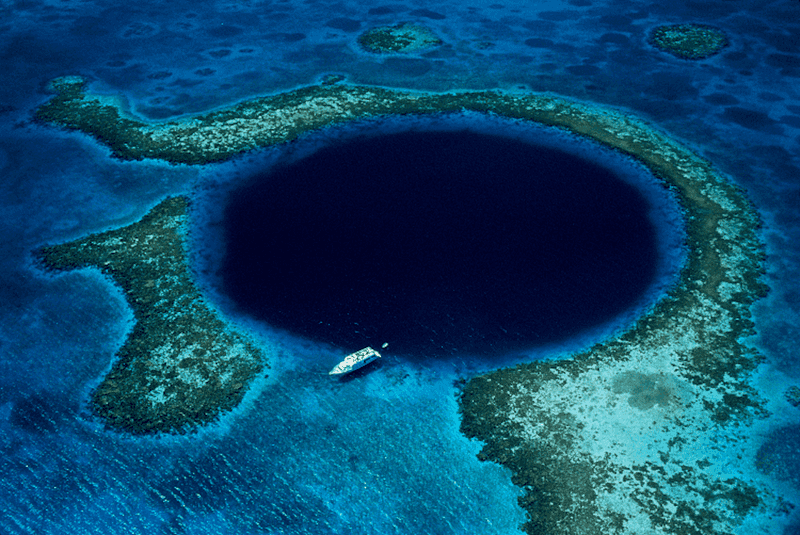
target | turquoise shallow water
x=381, y=453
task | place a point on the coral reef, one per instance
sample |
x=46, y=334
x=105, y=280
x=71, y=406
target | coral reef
x=689, y=41
x=331, y=79
x=181, y=366
x=398, y=39
x=618, y=438
x=792, y=395
x=640, y=433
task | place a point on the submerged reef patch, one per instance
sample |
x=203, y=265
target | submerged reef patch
x=642, y=433
x=689, y=41
x=330, y=79
x=181, y=366
x=398, y=39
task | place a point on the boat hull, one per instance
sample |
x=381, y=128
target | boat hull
x=354, y=361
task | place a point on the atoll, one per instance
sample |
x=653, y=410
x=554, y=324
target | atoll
x=181, y=366
x=689, y=41
x=634, y=435
x=401, y=38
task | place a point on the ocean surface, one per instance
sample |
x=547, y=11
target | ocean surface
x=446, y=242
x=381, y=452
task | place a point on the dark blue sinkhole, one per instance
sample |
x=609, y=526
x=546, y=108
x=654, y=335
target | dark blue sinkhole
x=438, y=242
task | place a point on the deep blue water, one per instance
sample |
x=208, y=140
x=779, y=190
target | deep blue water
x=439, y=243
x=296, y=457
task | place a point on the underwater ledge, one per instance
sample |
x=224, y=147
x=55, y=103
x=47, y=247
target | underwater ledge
x=634, y=435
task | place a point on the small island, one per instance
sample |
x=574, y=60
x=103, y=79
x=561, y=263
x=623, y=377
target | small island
x=633, y=435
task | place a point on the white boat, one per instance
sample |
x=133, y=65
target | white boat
x=356, y=360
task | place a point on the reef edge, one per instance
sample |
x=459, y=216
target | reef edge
x=633, y=435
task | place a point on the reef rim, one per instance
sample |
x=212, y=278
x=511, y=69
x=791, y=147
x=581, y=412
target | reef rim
x=638, y=434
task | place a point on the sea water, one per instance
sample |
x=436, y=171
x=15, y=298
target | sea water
x=303, y=454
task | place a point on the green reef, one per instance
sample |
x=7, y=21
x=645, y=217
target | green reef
x=641, y=433
x=399, y=39
x=181, y=366
x=689, y=41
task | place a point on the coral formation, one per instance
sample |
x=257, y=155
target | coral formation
x=792, y=395
x=181, y=365
x=402, y=38
x=689, y=41
x=330, y=79
x=638, y=434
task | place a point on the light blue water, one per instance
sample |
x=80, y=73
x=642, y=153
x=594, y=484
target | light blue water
x=381, y=454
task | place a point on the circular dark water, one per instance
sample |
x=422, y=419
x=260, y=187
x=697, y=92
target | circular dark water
x=438, y=242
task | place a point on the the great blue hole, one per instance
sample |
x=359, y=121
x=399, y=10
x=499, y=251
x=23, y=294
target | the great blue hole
x=438, y=242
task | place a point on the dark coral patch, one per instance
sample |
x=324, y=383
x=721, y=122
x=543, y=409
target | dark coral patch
x=672, y=85
x=289, y=37
x=344, y=24
x=689, y=41
x=783, y=61
x=224, y=31
x=330, y=79
x=615, y=38
x=39, y=413
x=536, y=42
x=383, y=10
x=428, y=14
x=721, y=99
x=139, y=30
x=559, y=16
x=219, y=54
x=584, y=70
x=751, y=119
x=791, y=120
x=401, y=38
x=160, y=75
